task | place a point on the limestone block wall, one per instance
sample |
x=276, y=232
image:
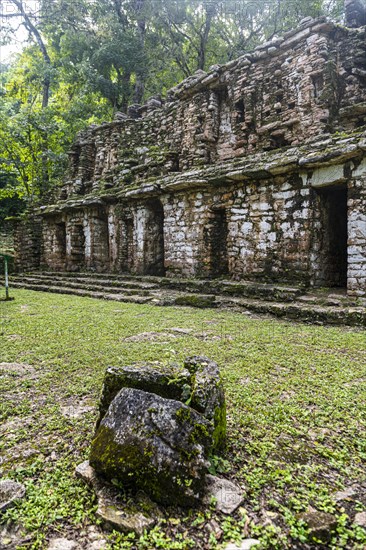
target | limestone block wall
x=264, y=230
x=283, y=229
x=271, y=227
x=185, y=218
x=28, y=243
x=357, y=236
x=54, y=243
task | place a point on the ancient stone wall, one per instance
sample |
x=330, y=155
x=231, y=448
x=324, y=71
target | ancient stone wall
x=287, y=92
x=253, y=170
x=357, y=235
x=28, y=243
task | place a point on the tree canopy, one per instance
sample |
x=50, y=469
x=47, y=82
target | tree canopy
x=84, y=60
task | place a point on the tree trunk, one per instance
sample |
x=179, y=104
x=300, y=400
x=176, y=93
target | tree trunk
x=210, y=12
x=32, y=29
x=141, y=29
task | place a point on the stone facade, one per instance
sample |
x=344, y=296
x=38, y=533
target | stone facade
x=255, y=170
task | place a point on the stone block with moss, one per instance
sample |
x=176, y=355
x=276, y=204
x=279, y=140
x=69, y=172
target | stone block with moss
x=198, y=384
x=167, y=381
x=154, y=444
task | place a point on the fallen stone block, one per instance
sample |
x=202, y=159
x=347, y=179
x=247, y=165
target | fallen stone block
x=197, y=384
x=166, y=381
x=154, y=444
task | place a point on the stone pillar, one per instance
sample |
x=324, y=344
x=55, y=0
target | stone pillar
x=148, y=242
x=76, y=242
x=121, y=238
x=355, y=13
x=54, y=243
x=98, y=259
x=113, y=240
x=357, y=238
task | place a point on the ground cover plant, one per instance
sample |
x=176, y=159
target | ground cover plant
x=296, y=418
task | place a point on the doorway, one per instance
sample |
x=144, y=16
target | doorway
x=154, y=239
x=60, y=244
x=333, y=236
x=218, y=243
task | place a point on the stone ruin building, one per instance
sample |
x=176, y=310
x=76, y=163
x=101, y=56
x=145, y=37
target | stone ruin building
x=254, y=170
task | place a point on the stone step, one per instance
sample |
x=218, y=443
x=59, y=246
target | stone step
x=83, y=292
x=88, y=279
x=249, y=289
x=299, y=310
x=85, y=284
x=314, y=314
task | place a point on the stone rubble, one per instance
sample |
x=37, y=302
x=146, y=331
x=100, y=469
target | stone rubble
x=10, y=493
x=228, y=495
x=110, y=511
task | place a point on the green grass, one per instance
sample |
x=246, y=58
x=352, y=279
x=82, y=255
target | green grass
x=296, y=415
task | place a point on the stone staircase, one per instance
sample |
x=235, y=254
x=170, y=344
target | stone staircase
x=328, y=306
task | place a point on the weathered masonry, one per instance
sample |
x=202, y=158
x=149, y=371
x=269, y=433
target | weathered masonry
x=255, y=170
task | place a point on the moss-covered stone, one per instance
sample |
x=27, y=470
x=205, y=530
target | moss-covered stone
x=196, y=300
x=208, y=396
x=197, y=384
x=166, y=381
x=154, y=444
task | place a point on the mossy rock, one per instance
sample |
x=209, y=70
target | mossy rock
x=196, y=300
x=208, y=396
x=154, y=444
x=166, y=381
x=198, y=384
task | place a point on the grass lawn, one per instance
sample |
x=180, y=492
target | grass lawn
x=296, y=417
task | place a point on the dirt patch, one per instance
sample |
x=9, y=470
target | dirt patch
x=76, y=409
x=20, y=369
x=150, y=337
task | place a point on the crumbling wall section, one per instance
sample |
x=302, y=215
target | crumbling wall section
x=28, y=243
x=54, y=242
x=268, y=231
x=287, y=92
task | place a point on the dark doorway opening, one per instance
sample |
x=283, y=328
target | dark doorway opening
x=334, y=236
x=60, y=234
x=218, y=244
x=154, y=239
x=100, y=254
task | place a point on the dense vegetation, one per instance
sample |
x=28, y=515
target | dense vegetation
x=83, y=60
x=295, y=417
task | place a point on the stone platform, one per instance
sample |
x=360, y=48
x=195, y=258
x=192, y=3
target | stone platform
x=320, y=306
